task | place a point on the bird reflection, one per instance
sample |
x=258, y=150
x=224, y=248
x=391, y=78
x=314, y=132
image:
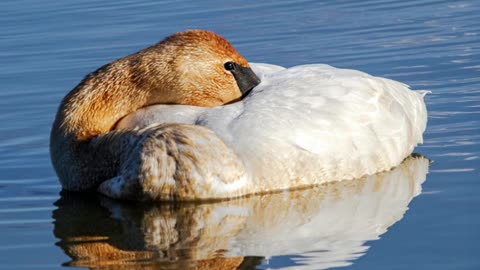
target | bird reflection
x=326, y=225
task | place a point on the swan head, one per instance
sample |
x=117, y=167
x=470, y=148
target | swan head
x=198, y=67
x=193, y=67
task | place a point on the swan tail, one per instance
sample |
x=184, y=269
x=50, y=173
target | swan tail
x=176, y=162
x=423, y=93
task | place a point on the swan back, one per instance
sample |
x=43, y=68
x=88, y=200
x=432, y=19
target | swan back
x=335, y=123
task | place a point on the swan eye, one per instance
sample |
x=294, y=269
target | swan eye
x=229, y=66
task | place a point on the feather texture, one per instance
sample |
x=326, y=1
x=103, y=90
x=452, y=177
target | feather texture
x=301, y=126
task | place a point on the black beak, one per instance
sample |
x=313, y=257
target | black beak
x=246, y=79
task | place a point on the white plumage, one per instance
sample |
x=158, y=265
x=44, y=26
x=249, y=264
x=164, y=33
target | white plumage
x=302, y=126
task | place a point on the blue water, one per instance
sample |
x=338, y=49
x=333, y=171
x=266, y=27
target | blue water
x=46, y=48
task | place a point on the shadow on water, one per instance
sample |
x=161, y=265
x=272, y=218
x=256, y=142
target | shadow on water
x=327, y=225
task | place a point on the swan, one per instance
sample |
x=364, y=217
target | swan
x=150, y=126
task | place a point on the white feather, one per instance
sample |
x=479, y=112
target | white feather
x=307, y=125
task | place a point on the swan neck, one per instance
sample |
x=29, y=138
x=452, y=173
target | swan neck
x=107, y=95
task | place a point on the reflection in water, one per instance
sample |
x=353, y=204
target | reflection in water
x=328, y=225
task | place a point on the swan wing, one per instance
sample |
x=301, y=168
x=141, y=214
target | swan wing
x=315, y=123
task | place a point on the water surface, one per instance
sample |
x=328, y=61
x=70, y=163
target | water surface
x=47, y=47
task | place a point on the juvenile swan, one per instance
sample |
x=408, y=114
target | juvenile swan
x=301, y=126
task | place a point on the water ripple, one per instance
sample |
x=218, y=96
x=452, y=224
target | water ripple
x=47, y=47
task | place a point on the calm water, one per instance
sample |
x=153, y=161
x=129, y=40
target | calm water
x=48, y=46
